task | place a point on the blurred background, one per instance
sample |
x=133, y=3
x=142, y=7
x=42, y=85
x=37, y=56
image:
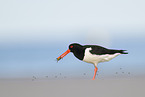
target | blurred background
x=33, y=33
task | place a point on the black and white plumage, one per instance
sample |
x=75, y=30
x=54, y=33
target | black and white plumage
x=92, y=54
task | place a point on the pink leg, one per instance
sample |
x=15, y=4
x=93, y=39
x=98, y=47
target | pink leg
x=96, y=69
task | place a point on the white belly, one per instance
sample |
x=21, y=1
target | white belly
x=95, y=59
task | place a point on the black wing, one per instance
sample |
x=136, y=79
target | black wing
x=99, y=50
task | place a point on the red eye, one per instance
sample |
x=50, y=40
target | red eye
x=71, y=46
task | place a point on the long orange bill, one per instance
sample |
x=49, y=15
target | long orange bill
x=64, y=54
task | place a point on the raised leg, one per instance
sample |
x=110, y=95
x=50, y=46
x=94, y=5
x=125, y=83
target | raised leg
x=95, y=70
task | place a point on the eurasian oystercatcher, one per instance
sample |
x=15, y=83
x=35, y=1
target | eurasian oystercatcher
x=92, y=54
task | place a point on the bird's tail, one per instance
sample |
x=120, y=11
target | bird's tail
x=123, y=51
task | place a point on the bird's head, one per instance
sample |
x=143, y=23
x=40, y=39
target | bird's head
x=72, y=48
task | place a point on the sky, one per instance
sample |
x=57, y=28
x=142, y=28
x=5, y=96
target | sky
x=33, y=33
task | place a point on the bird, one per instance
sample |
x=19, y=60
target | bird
x=92, y=54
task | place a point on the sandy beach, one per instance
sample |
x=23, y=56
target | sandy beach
x=73, y=88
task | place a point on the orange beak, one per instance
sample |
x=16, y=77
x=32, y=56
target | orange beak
x=64, y=54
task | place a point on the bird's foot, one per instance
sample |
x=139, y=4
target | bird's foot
x=93, y=78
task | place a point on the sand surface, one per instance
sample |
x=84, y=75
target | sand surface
x=73, y=88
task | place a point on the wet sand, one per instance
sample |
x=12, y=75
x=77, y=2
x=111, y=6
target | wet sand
x=73, y=88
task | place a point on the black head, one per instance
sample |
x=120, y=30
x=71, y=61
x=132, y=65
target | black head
x=76, y=49
x=74, y=46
